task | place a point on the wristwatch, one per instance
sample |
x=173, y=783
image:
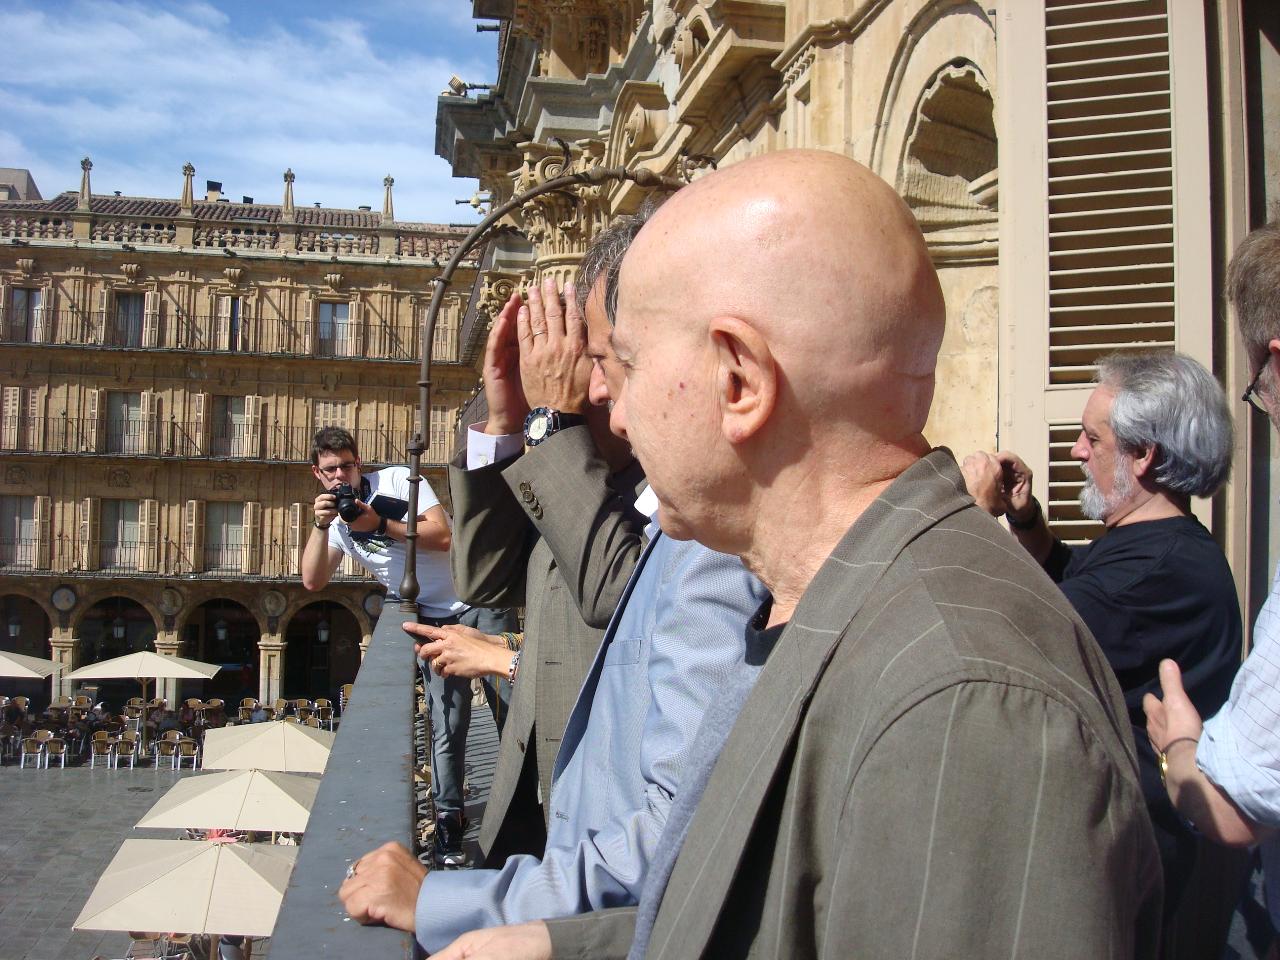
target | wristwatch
x=542, y=422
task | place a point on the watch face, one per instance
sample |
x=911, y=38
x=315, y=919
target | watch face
x=538, y=427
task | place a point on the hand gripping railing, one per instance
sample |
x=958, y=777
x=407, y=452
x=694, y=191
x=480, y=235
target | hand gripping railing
x=591, y=177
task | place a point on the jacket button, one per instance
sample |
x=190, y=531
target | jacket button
x=520, y=744
x=527, y=496
x=536, y=510
x=525, y=488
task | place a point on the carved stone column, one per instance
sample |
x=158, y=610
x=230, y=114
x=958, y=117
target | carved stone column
x=560, y=225
x=365, y=640
x=62, y=646
x=167, y=644
x=270, y=666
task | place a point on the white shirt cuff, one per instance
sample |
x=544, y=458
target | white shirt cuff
x=484, y=449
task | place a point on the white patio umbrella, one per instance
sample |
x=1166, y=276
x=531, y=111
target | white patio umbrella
x=277, y=745
x=26, y=668
x=236, y=800
x=188, y=886
x=145, y=665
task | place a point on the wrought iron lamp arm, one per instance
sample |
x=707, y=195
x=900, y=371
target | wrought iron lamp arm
x=422, y=440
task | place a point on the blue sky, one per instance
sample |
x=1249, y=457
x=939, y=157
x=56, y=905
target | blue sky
x=342, y=92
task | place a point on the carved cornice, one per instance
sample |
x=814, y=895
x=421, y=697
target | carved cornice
x=560, y=224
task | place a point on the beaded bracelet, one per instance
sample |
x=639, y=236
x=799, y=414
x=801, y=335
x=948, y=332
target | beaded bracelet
x=515, y=665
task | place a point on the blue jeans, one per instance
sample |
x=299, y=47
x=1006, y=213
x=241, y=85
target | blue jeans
x=450, y=700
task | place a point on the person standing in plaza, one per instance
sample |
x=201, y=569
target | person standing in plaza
x=375, y=537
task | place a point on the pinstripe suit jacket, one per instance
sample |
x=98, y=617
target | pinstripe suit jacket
x=935, y=762
x=553, y=532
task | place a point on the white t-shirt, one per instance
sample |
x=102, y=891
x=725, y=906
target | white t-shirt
x=388, y=494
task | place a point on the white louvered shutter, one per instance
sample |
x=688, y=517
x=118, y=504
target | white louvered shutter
x=102, y=314
x=151, y=318
x=309, y=326
x=297, y=534
x=251, y=545
x=149, y=534
x=90, y=532
x=95, y=414
x=5, y=312
x=150, y=422
x=44, y=527
x=42, y=328
x=193, y=535
x=355, y=329
x=10, y=417
x=251, y=445
x=201, y=413
x=1103, y=218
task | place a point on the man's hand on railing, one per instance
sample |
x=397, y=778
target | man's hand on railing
x=460, y=651
x=525, y=941
x=382, y=887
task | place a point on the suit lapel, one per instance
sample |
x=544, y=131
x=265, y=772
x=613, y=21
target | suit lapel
x=753, y=756
x=582, y=706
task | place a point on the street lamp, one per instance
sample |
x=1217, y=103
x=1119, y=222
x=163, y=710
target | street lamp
x=220, y=631
x=118, y=629
x=15, y=626
x=322, y=631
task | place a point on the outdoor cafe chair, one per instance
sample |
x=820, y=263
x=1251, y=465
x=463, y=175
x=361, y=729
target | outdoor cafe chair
x=103, y=750
x=44, y=734
x=245, y=714
x=167, y=750
x=249, y=702
x=4, y=701
x=21, y=703
x=128, y=746
x=325, y=714
x=188, y=749
x=344, y=696
x=62, y=703
x=8, y=739
x=56, y=747
x=279, y=709
x=31, y=749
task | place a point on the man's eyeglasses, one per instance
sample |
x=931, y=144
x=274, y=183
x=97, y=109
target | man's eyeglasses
x=1251, y=395
x=348, y=464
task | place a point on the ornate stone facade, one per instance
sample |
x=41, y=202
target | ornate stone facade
x=163, y=364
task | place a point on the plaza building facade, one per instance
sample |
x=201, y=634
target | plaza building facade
x=1081, y=172
x=164, y=364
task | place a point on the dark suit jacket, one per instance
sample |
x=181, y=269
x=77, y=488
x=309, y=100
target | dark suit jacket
x=935, y=762
x=553, y=532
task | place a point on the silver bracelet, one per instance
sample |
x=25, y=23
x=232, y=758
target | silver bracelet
x=515, y=665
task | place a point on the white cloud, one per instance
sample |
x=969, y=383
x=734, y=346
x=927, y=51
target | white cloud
x=143, y=89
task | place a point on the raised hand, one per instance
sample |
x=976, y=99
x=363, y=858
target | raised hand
x=554, y=367
x=502, y=387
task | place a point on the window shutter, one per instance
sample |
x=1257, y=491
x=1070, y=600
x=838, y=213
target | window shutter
x=95, y=412
x=90, y=532
x=252, y=442
x=201, y=411
x=251, y=545
x=151, y=318
x=440, y=434
x=297, y=532
x=1103, y=217
x=46, y=315
x=43, y=523
x=5, y=308
x=193, y=535
x=248, y=328
x=10, y=417
x=150, y=422
x=355, y=329
x=309, y=326
x=222, y=325
x=102, y=313
x=149, y=534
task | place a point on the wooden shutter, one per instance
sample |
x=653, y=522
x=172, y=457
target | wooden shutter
x=201, y=414
x=222, y=325
x=151, y=318
x=102, y=314
x=95, y=413
x=355, y=329
x=42, y=328
x=309, y=325
x=251, y=544
x=150, y=422
x=248, y=329
x=149, y=535
x=5, y=311
x=10, y=417
x=1104, y=216
x=193, y=535
x=44, y=525
x=251, y=444
x=90, y=532
x=297, y=537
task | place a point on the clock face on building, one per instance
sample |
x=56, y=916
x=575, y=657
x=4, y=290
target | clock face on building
x=64, y=598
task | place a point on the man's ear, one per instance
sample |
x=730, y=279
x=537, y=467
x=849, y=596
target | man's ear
x=746, y=377
x=1273, y=358
x=1144, y=463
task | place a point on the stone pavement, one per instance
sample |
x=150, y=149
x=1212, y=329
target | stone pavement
x=58, y=831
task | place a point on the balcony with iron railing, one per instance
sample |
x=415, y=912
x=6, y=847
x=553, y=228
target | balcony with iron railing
x=70, y=555
x=274, y=337
x=196, y=440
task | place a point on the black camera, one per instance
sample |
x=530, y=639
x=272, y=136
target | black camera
x=348, y=504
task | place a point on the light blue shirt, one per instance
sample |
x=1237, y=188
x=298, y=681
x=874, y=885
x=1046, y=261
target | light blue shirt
x=676, y=641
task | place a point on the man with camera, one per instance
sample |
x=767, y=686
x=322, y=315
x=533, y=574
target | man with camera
x=363, y=516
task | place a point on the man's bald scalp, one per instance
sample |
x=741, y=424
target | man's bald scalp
x=824, y=259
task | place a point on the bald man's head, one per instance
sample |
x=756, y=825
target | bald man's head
x=801, y=268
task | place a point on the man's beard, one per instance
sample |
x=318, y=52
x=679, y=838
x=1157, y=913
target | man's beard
x=1097, y=507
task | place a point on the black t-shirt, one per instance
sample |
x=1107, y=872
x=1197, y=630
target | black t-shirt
x=1154, y=590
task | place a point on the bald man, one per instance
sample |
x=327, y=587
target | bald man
x=935, y=760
